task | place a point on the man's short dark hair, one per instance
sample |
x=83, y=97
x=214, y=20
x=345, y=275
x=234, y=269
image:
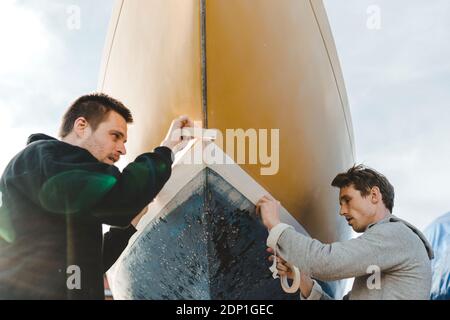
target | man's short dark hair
x=363, y=179
x=94, y=108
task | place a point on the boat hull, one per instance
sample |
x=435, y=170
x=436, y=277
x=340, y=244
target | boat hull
x=241, y=64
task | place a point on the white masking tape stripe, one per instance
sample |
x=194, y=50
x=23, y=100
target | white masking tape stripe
x=200, y=133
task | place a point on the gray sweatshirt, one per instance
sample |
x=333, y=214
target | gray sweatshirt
x=390, y=260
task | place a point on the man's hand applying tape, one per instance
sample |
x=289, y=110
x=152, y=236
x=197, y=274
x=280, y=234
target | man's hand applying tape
x=269, y=209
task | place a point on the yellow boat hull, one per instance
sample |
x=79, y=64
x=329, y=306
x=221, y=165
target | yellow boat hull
x=240, y=64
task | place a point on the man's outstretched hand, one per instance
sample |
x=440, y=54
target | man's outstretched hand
x=269, y=209
x=174, y=136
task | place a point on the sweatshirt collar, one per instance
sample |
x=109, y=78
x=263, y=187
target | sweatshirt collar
x=392, y=218
x=38, y=137
x=384, y=220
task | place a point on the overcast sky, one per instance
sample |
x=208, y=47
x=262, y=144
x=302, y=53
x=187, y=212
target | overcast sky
x=394, y=55
x=46, y=61
x=398, y=83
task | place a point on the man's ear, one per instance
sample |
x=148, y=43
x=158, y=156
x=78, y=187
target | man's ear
x=375, y=195
x=79, y=127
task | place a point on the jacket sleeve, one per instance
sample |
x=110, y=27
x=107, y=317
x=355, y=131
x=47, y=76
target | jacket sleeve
x=114, y=242
x=135, y=188
x=378, y=247
x=76, y=183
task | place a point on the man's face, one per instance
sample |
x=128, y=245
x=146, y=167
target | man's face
x=107, y=143
x=358, y=211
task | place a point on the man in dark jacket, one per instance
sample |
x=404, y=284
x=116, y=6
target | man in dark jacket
x=57, y=194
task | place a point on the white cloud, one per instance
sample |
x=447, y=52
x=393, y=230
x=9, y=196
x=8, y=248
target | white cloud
x=23, y=35
x=44, y=65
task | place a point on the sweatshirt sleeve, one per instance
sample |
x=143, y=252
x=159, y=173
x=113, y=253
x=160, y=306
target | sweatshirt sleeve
x=114, y=242
x=135, y=188
x=379, y=247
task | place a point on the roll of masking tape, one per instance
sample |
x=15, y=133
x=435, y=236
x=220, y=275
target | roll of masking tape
x=295, y=284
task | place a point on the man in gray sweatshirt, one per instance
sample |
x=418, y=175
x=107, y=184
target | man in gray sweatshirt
x=390, y=260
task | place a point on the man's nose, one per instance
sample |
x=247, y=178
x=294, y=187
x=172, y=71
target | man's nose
x=342, y=211
x=121, y=149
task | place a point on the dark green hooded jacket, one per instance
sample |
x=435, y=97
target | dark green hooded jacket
x=54, y=198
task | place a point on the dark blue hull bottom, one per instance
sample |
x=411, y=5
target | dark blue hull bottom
x=208, y=245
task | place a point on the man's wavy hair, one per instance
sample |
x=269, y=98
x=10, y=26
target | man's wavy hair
x=363, y=179
x=94, y=108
